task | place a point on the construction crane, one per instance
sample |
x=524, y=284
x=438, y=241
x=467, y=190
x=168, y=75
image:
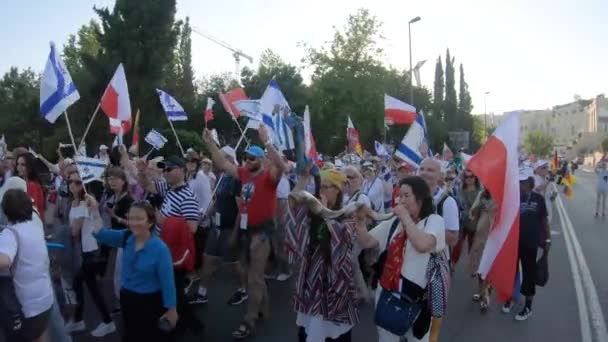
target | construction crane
x=236, y=53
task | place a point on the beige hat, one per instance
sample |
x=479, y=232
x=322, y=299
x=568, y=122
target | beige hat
x=13, y=183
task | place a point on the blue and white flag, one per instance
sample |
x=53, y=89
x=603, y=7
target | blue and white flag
x=414, y=146
x=90, y=169
x=174, y=111
x=274, y=110
x=251, y=109
x=380, y=149
x=155, y=139
x=57, y=91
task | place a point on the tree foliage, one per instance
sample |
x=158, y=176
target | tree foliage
x=450, y=102
x=438, y=89
x=538, y=143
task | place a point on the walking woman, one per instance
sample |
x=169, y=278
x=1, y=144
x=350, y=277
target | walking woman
x=481, y=214
x=81, y=226
x=406, y=243
x=325, y=298
x=26, y=169
x=467, y=194
x=601, y=188
x=147, y=295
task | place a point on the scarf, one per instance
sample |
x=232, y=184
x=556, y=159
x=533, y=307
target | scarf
x=395, y=256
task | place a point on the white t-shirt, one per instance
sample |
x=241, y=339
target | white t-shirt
x=415, y=264
x=357, y=197
x=31, y=266
x=88, y=241
x=449, y=211
x=201, y=186
x=283, y=188
x=602, y=176
x=374, y=189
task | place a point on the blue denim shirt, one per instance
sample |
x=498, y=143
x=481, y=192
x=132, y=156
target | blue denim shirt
x=147, y=270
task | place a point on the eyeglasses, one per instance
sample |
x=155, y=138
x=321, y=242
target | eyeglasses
x=449, y=179
x=469, y=176
x=169, y=169
x=351, y=176
x=75, y=182
x=192, y=160
x=251, y=158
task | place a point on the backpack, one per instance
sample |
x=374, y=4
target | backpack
x=11, y=314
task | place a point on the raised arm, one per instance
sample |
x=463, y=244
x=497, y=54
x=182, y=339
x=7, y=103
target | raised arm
x=143, y=178
x=278, y=166
x=217, y=156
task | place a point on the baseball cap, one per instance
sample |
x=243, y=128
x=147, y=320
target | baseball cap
x=173, y=161
x=255, y=151
x=540, y=164
x=229, y=151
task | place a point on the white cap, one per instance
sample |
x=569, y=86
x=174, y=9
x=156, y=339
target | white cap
x=13, y=183
x=525, y=173
x=103, y=147
x=229, y=151
x=540, y=164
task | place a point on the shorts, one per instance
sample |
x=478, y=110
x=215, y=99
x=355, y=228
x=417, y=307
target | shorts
x=35, y=326
x=217, y=244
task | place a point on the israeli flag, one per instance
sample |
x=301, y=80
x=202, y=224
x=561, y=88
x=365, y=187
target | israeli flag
x=174, y=111
x=380, y=149
x=90, y=169
x=414, y=146
x=57, y=91
x=155, y=139
x=274, y=111
x=251, y=108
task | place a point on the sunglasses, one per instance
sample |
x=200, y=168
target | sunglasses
x=75, y=182
x=449, y=179
x=169, y=169
x=469, y=177
x=251, y=158
x=192, y=160
x=351, y=177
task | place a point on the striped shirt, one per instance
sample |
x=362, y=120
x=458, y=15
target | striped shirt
x=178, y=202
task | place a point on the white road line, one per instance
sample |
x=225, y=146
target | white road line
x=598, y=324
x=580, y=295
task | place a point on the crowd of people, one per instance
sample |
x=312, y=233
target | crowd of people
x=376, y=230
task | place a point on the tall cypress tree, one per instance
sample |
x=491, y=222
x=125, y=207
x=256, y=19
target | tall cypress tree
x=438, y=91
x=450, y=103
x=185, y=72
x=464, y=104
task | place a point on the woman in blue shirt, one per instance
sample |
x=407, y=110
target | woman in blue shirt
x=147, y=295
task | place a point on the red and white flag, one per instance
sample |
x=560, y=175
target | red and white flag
x=496, y=165
x=228, y=100
x=116, y=126
x=397, y=112
x=209, y=110
x=352, y=135
x=115, y=100
x=309, y=139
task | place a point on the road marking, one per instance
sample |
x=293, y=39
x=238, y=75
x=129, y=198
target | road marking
x=597, y=322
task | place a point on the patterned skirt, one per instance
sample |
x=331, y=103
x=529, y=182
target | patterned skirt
x=438, y=274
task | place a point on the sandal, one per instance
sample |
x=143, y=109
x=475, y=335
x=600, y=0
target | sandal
x=243, y=332
x=476, y=297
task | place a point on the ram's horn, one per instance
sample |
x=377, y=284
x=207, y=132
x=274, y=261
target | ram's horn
x=317, y=208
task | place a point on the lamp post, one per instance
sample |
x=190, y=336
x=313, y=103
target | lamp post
x=409, y=28
x=485, y=113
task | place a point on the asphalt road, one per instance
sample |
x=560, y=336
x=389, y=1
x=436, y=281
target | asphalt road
x=569, y=308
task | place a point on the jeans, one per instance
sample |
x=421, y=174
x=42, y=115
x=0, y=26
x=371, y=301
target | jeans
x=258, y=303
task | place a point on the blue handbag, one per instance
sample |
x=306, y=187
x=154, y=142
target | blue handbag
x=396, y=314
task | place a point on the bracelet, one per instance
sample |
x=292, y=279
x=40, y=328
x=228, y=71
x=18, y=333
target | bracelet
x=548, y=241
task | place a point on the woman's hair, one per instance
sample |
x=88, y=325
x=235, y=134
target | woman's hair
x=148, y=209
x=82, y=192
x=118, y=172
x=422, y=192
x=30, y=166
x=464, y=183
x=17, y=206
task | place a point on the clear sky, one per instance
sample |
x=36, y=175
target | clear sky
x=530, y=54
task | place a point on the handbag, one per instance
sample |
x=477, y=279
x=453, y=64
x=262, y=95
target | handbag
x=542, y=271
x=396, y=312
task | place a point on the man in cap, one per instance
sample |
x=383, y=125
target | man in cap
x=544, y=186
x=258, y=198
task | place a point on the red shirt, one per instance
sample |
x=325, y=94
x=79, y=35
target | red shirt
x=34, y=189
x=259, y=196
x=176, y=234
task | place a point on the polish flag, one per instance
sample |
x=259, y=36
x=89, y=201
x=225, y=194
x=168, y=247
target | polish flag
x=397, y=112
x=115, y=100
x=353, y=138
x=228, y=100
x=309, y=139
x=116, y=125
x=209, y=110
x=496, y=165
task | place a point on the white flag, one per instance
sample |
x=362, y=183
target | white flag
x=155, y=139
x=57, y=91
x=274, y=108
x=90, y=169
x=174, y=111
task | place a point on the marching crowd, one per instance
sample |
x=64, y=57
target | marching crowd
x=374, y=230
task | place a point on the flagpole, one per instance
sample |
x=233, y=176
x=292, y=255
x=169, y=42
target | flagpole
x=67, y=120
x=86, y=131
x=179, y=144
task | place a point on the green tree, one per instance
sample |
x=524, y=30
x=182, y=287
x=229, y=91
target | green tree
x=450, y=103
x=438, y=91
x=538, y=143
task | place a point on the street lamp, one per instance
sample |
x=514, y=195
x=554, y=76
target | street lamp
x=485, y=112
x=409, y=29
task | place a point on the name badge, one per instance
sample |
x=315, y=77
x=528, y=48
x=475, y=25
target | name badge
x=243, y=225
x=217, y=219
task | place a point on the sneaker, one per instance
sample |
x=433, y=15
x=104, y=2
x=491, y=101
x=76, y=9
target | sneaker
x=199, y=299
x=283, y=276
x=191, y=283
x=104, y=329
x=506, y=308
x=524, y=314
x=72, y=326
x=238, y=298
